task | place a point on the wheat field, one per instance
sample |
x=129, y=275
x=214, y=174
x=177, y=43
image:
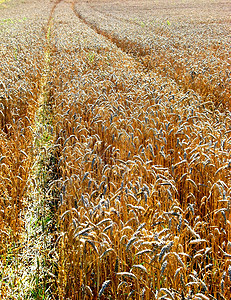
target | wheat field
x=115, y=139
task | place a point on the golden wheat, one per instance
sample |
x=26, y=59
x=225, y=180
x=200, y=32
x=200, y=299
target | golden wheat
x=130, y=151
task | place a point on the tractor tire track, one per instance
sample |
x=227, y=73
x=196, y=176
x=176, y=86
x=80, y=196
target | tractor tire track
x=134, y=50
x=152, y=62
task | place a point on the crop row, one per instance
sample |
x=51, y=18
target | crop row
x=131, y=159
x=21, y=70
x=195, y=53
x=143, y=186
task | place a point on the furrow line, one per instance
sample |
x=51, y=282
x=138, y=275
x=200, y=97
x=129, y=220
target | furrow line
x=135, y=51
x=149, y=62
x=39, y=216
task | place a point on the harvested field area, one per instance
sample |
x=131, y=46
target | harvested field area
x=115, y=167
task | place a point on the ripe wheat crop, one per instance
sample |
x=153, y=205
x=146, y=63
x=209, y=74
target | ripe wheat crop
x=118, y=139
